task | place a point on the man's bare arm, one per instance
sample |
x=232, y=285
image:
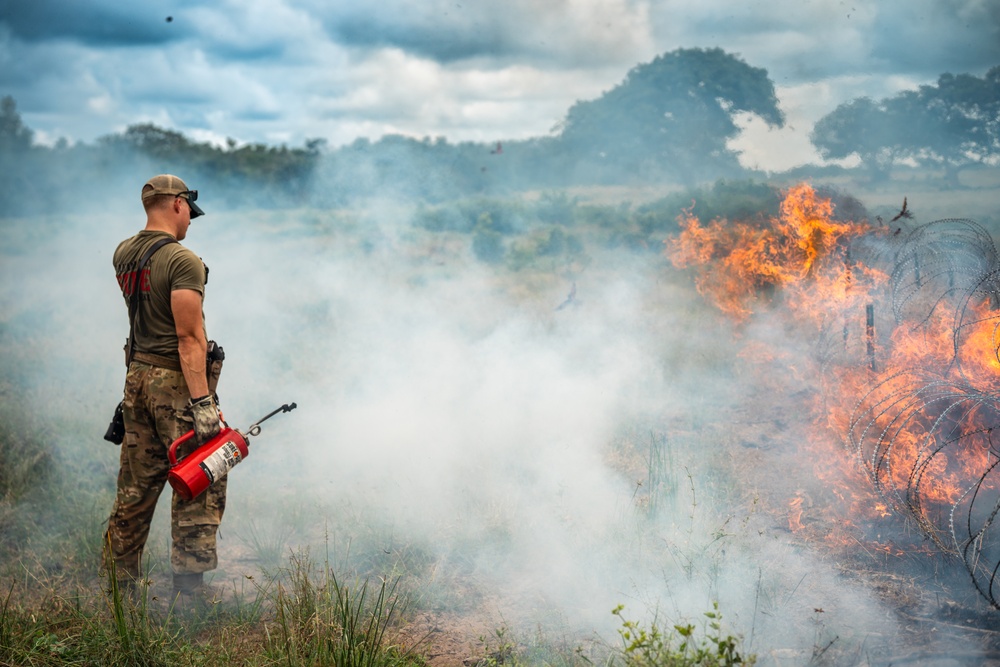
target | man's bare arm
x=191, y=342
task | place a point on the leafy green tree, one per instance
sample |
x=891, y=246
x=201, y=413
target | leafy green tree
x=251, y=174
x=672, y=117
x=156, y=141
x=859, y=126
x=952, y=125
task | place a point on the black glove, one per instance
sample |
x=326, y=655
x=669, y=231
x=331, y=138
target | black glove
x=205, y=413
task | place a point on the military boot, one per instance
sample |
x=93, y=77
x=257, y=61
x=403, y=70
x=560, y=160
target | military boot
x=192, y=594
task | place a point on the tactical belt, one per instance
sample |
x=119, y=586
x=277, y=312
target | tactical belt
x=158, y=360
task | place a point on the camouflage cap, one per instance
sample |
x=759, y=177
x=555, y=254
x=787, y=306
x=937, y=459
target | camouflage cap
x=168, y=184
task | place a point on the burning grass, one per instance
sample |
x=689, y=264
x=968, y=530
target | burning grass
x=907, y=325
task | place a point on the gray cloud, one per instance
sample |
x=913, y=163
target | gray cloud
x=447, y=30
x=96, y=23
x=929, y=38
x=801, y=42
x=434, y=42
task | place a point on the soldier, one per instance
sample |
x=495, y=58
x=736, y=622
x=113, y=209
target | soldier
x=167, y=392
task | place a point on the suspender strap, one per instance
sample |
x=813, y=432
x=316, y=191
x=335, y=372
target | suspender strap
x=133, y=303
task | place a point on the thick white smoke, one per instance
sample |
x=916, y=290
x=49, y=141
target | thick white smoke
x=468, y=416
x=449, y=409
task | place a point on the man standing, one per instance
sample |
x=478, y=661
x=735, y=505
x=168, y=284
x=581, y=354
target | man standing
x=167, y=391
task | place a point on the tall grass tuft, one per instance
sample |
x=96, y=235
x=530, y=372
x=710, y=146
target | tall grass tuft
x=73, y=632
x=7, y=629
x=662, y=475
x=266, y=544
x=328, y=622
x=135, y=638
x=25, y=466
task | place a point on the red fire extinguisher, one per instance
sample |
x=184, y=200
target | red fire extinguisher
x=214, y=459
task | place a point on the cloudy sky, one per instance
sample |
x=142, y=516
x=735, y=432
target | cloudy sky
x=283, y=71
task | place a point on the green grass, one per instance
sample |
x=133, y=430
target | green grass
x=300, y=617
x=321, y=620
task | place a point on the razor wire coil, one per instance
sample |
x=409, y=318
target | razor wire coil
x=924, y=434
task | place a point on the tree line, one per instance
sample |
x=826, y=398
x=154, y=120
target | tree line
x=669, y=120
x=953, y=124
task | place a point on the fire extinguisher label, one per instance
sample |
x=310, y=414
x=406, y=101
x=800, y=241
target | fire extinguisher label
x=221, y=461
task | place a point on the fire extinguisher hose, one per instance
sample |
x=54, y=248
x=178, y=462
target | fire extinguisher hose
x=255, y=427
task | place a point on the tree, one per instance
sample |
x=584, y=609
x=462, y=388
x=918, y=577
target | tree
x=859, y=126
x=22, y=182
x=151, y=140
x=274, y=174
x=15, y=137
x=953, y=124
x=672, y=116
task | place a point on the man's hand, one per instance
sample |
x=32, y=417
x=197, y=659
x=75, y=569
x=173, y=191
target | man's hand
x=206, y=418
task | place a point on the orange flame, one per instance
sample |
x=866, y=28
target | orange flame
x=741, y=263
x=803, y=261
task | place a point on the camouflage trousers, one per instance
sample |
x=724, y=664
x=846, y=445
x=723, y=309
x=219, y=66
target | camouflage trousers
x=155, y=414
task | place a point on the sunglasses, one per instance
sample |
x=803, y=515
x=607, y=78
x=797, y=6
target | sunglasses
x=191, y=196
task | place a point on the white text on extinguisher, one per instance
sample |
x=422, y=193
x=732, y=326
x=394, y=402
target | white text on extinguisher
x=221, y=461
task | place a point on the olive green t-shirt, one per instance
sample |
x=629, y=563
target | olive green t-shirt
x=172, y=267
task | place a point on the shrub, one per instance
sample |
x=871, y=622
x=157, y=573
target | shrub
x=679, y=647
x=487, y=243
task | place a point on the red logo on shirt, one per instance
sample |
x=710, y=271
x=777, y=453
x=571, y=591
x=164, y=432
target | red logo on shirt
x=126, y=281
